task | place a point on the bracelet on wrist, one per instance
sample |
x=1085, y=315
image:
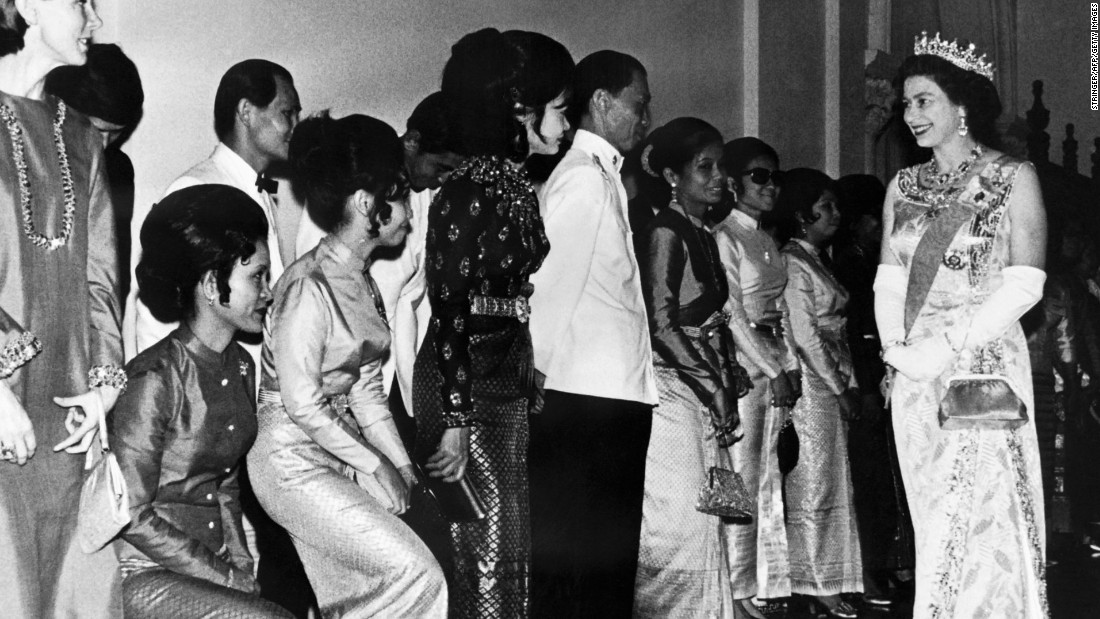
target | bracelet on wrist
x=17, y=353
x=107, y=376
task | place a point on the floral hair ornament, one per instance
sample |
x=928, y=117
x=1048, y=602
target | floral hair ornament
x=965, y=59
x=646, y=152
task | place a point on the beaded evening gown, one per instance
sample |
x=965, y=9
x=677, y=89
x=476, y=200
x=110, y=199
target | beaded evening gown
x=68, y=298
x=821, y=518
x=975, y=495
x=485, y=238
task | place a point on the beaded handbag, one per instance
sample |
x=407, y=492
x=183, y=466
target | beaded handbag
x=724, y=494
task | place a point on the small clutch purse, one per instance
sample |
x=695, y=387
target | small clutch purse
x=984, y=401
x=724, y=495
x=458, y=501
x=104, y=500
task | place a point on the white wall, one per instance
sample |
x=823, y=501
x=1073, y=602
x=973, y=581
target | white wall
x=382, y=56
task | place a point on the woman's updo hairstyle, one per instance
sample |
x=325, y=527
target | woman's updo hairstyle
x=331, y=159
x=972, y=91
x=12, y=28
x=802, y=188
x=738, y=153
x=492, y=78
x=673, y=145
x=189, y=233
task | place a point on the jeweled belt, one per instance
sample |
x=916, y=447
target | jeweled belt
x=507, y=307
x=708, y=328
x=339, y=402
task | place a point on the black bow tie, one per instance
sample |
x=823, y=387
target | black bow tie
x=266, y=183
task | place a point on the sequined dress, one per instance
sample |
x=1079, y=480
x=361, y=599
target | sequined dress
x=821, y=519
x=68, y=298
x=485, y=238
x=975, y=495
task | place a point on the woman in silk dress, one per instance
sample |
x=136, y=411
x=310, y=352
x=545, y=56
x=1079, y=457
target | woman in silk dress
x=328, y=464
x=474, y=372
x=821, y=521
x=682, y=566
x=963, y=247
x=756, y=275
x=59, y=301
x=182, y=428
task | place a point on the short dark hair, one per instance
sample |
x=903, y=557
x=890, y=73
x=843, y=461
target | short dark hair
x=252, y=79
x=107, y=86
x=430, y=120
x=606, y=69
x=673, y=146
x=491, y=77
x=189, y=233
x=974, y=92
x=802, y=188
x=12, y=28
x=738, y=153
x=331, y=159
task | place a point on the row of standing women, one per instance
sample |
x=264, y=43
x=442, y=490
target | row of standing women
x=327, y=462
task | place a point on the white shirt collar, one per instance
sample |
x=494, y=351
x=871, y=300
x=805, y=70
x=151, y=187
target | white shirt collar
x=591, y=143
x=236, y=165
x=745, y=219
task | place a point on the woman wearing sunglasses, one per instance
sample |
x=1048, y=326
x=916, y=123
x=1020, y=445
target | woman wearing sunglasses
x=757, y=274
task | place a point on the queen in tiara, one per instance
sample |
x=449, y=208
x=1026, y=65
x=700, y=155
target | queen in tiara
x=964, y=238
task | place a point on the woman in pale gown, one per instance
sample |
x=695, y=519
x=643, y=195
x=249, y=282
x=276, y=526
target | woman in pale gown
x=964, y=239
x=328, y=464
x=821, y=520
x=59, y=325
x=756, y=274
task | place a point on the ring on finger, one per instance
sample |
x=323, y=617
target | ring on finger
x=7, y=452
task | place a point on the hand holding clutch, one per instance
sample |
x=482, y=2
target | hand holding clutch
x=449, y=462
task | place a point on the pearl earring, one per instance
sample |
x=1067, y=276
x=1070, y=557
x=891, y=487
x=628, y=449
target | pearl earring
x=963, y=128
x=674, y=199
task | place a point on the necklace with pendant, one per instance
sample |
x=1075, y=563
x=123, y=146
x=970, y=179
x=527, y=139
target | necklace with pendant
x=16, y=134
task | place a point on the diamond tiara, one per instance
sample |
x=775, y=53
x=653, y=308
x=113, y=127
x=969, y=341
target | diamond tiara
x=967, y=59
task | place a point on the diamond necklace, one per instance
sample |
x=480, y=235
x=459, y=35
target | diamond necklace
x=16, y=133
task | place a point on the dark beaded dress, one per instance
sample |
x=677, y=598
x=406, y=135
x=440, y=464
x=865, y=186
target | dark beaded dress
x=485, y=238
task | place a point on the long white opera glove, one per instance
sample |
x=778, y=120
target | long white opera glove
x=1021, y=288
x=890, y=287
